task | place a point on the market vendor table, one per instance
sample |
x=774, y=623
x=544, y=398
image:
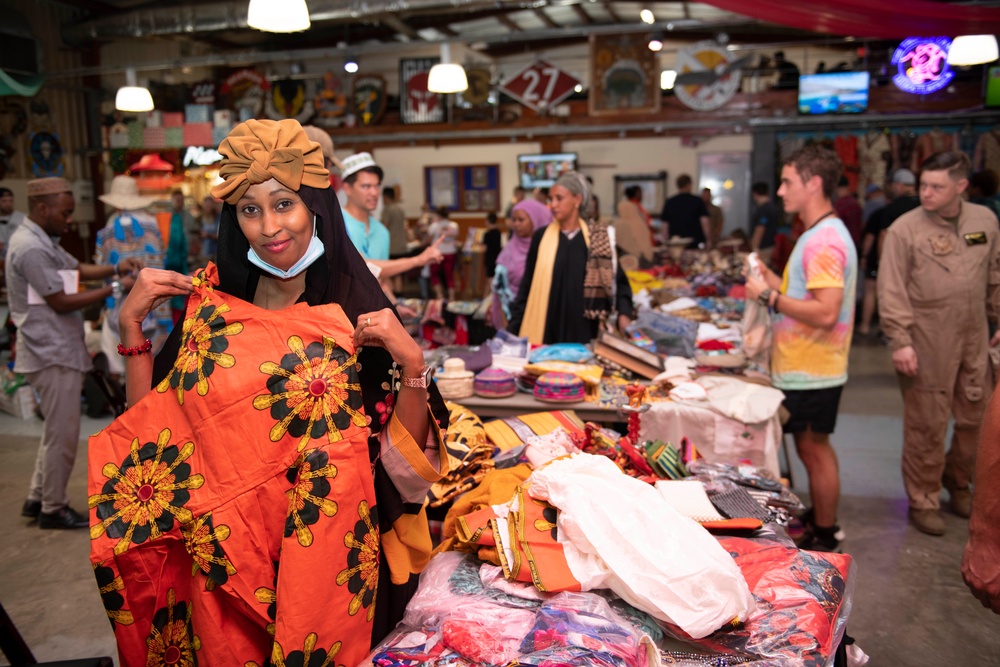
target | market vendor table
x=522, y=403
x=719, y=439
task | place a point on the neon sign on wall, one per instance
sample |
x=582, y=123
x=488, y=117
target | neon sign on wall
x=922, y=64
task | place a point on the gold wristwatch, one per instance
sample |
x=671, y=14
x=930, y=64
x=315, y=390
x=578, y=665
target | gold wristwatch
x=421, y=381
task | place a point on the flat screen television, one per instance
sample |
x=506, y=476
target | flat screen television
x=541, y=170
x=833, y=92
x=992, y=97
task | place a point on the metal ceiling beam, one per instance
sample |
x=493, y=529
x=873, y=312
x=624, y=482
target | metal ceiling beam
x=506, y=21
x=582, y=13
x=545, y=18
x=252, y=56
x=401, y=27
x=609, y=8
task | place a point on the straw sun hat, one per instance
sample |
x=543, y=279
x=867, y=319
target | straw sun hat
x=124, y=194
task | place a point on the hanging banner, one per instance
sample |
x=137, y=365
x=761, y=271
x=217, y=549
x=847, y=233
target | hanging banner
x=710, y=63
x=922, y=65
x=417, y=104
x=480, y=86
x=330, y=102
x=540, y=85
x=369, y=99
x=245, y=90
x=624, y=75
x=288, y=100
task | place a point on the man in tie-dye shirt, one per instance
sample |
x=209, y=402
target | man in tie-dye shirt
x=813, y=316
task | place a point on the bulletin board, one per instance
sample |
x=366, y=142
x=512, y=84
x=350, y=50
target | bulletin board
x=463, y=188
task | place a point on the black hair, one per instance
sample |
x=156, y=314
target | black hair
x=761, y=188
x=633, y=192
x=377, y=170
x=390, y=192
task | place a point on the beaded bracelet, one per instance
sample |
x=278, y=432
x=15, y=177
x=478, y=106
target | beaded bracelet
x=134, y=351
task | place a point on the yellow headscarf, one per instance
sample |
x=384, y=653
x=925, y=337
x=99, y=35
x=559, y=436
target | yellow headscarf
x=259, y=150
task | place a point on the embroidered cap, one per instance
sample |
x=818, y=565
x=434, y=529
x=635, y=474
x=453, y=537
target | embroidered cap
x=52, y=185
x=355, y=163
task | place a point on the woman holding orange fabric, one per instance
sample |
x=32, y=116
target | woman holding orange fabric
x=272, y=479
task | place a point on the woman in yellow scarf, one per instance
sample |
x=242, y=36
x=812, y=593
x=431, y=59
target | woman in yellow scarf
x=572, y=281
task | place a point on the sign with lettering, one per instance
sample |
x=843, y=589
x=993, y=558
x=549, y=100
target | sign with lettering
x=922, y=65
x=199, y=156
x=540, y=85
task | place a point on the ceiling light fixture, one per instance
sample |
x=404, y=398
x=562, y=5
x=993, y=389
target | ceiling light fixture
x=667, y=79
x=656, y=41
x=278, y=15
x=446, y=76
x=131, y=96
x=647, y=16
x=350, y=64
x=973, y=50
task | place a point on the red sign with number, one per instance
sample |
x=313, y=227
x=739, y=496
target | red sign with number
x=541, y=85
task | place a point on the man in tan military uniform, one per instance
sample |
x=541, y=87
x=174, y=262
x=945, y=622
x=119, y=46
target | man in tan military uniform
x=939, y=276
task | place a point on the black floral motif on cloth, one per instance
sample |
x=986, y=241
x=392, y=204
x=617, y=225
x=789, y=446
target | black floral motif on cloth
x=146, y=493
x=309, y=656
x=269, y=597
x=110, y=584
x=203, y=541
x=314, y=391
x=171, y=640
x=203, y=347
x=310, y=477
x=361, y=574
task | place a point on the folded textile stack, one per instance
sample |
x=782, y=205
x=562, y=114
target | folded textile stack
x=555, y=387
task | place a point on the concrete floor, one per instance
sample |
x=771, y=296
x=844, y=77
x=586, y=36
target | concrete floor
x=911, y=608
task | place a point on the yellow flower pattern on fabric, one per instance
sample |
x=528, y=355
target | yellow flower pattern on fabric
x=361, y=574
x=171, y=640
x=311, y=477
x=309, y=656
x=314, y=391
x=146, y=493
x=203, y=541
x=203, y=347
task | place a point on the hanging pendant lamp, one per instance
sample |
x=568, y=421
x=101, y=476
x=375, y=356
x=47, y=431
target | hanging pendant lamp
x=446, y=76
x=973, y=50
x=278, y=15
x=133, y=97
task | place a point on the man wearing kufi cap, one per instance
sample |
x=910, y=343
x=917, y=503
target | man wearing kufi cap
x=45, y=305
x=362, y=185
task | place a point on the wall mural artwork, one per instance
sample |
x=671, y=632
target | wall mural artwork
x=624, y=75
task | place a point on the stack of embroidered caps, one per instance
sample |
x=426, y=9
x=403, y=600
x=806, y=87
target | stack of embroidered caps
x=556, y=387
x=495, y=383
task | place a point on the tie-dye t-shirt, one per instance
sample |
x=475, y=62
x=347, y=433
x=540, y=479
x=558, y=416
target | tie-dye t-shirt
x=804, y=357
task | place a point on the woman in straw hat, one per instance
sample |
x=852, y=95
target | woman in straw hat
x=287, y=445
x=130, y=232
x=572, y=281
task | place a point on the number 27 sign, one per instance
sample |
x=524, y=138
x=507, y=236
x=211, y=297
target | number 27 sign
x=540, y=85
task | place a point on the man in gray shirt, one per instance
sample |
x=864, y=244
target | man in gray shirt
x=45, y=306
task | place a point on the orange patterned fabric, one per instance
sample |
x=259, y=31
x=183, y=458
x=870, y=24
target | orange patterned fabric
x=233, y=516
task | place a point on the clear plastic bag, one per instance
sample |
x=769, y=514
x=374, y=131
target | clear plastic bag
x=756, y=325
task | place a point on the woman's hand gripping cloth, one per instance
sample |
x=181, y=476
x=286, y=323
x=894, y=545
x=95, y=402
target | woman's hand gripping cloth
x=619, y=533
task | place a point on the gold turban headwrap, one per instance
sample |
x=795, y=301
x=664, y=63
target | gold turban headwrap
x=259, y=150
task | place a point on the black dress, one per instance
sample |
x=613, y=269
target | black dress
x=564, y=322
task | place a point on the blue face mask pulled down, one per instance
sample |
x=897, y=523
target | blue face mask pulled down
x=313, y=252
